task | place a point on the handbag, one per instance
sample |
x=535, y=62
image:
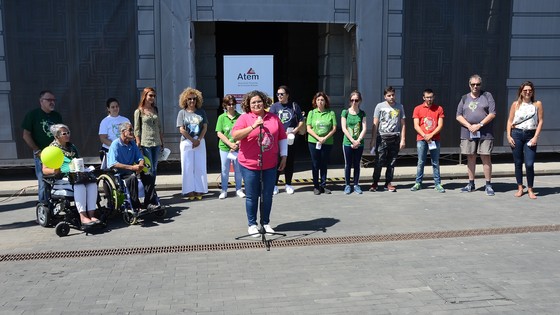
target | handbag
x=81, y=178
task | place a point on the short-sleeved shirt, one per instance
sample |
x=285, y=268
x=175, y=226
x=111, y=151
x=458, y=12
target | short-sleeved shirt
x=110, y=126
x=353, y=125
x=70, y=152
x=192, y=122
x=389, y=117
x=322, y=123
x=290, y=113
x=224, y=125
x=148, y=128
x=249, y=147
x=127, y=154
x=38, y=123
x=474, y=110
x=428, y=118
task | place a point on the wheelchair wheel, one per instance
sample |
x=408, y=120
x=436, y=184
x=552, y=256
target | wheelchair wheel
x=62, y=228
x=107, y=193
x=129, y=217
x=44, y=215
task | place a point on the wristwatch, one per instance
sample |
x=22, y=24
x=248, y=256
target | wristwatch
x=481, y=124
x=36, y=152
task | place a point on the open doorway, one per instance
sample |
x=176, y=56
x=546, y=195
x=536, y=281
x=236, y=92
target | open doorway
x=295, y=50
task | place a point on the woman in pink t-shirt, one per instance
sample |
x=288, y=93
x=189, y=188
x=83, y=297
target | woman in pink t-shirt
x=262, y=140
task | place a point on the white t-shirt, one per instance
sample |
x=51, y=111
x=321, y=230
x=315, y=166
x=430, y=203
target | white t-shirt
x=110, y=126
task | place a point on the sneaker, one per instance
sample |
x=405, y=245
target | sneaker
x=391, y=188
x=489, y=191
x=289, y=189
x=223, y=195
x=151, y=207
x=347, y=189
x=275, y=191
x=240, y=193
x=357, y=189
x=326, y=191
x=268, y=229
x=417, y=186
x=439, y=188
x=253, y=230
x=373, y=187
x=468, y=188
x=316, y=191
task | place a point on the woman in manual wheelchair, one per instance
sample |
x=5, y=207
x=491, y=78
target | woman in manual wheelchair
x=63, y=183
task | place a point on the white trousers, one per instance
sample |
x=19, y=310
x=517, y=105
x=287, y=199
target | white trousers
x=85, y=196
x=193, y=167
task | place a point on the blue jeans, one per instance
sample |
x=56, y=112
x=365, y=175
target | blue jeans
x=39, y=174
x=422, y=148
x=320, y=162
x=152, y=153
x=252, y=179
x=524, y=153
x=352, y=157
x=225, y=171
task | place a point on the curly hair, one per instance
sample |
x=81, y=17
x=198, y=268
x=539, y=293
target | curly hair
x=227, y=100
x=325, y=96
x=184, y=95
x=246, y=104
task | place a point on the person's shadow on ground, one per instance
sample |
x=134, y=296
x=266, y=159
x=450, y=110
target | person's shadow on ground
x=313, y=226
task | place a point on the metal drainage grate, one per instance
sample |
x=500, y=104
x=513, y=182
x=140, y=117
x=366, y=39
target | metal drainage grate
x=280, y=243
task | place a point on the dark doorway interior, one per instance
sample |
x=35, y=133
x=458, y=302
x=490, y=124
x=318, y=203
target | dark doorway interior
x=295, y=50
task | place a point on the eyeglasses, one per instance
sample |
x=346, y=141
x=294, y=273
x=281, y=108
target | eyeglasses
x=280, y=94
x=49, y=99
x=191, y=99
x=354, y=101
x=475, y=84
x=64, y=133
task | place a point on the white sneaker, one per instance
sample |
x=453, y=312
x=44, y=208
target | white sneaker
x=240, y=193
x=253, y=230
x=268, y=229
x=289, y=189
x=275, y=191
x=223, y=195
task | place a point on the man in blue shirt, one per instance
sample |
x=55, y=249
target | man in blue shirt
x=125, y=157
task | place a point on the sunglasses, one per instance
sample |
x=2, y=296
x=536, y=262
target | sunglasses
x=528, y=91
x=280, y=94
x=191, y=99
x=354, y=101
x=65, y=133
x=231, y=104
x=475, y=84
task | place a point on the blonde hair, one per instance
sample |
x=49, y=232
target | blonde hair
x=184, y=95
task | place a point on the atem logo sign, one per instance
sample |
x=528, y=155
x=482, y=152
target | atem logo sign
x=250, y=75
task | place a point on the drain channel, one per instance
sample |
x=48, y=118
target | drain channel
x=298, y=242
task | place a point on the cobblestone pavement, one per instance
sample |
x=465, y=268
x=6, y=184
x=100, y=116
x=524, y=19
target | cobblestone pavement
x=478, y=268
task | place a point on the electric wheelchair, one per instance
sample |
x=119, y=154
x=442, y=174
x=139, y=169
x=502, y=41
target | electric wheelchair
x=60, y=210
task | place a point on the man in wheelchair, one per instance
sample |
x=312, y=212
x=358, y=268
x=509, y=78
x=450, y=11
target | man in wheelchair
x=125, y=158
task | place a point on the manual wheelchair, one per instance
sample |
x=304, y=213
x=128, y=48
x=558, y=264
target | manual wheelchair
x=114, y=198
x=60, y=210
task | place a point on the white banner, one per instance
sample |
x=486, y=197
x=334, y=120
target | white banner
x=243, y=74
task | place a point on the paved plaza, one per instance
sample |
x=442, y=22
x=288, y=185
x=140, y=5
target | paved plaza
x=377, y=253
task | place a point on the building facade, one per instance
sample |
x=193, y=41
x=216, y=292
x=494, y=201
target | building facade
x=89, y=50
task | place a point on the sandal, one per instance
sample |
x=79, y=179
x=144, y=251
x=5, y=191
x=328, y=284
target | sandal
x=519, y=193
x=532, y=195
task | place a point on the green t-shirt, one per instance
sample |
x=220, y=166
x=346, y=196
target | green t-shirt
x=224, y=125
x=353, y=125
x=38, y=123
x=321, y=123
